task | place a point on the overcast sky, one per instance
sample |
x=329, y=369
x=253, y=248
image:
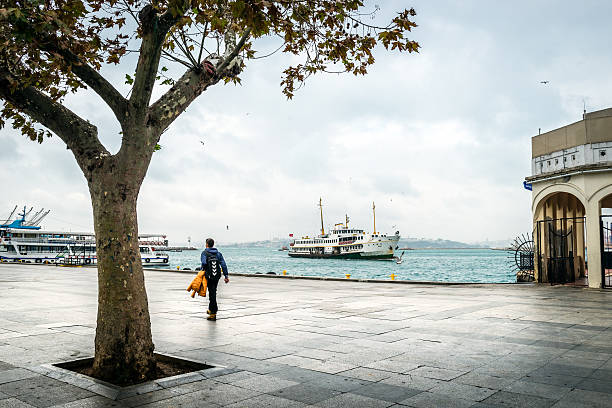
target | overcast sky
x=440, y=140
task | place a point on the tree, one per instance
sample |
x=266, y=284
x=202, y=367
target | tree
x=51, y=48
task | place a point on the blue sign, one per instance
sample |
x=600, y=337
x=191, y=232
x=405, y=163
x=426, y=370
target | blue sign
x=527, y=186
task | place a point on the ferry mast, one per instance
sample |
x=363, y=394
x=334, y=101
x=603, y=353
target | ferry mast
x=321, y=207
x=374, y=213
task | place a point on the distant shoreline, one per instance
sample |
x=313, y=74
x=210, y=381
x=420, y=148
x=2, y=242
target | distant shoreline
x=446, y=249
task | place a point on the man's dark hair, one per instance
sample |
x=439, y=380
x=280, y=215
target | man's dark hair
x=210, y=242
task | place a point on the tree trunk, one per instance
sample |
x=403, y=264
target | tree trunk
x=123, y=344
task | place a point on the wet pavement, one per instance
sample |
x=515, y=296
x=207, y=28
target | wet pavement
x=296, y=343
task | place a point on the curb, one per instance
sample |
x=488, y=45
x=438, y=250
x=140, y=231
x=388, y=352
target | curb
x=325, y=278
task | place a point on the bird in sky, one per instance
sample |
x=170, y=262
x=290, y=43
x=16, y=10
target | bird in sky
x=544, y=82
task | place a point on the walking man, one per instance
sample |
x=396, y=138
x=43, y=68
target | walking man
x=213, y=264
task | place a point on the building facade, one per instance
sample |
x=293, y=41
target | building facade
x=572, y=196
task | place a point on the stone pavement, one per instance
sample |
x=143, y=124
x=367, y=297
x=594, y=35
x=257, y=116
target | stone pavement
x=297, y=343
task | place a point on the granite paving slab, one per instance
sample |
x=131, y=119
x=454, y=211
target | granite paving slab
x=267, y=401
x=264, y=383
x=306, y=393
x=462, y=391
x=14, y=403
x=430, y=400
x=386, y=392
x=412, y=381
x=349, y=400
x=511, y=399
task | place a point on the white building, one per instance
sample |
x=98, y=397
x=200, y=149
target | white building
x=572, y=187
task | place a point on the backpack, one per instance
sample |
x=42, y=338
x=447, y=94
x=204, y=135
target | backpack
x=212, y=267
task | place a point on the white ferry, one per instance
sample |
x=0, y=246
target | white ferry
x=345, y=242
x=25, y=241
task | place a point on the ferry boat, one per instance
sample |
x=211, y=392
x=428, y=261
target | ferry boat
x=25, y=241
x=346, y=242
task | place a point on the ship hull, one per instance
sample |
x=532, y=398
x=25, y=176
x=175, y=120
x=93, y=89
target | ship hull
x=341, y=256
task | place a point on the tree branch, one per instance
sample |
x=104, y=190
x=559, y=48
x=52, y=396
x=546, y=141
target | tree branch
x=234, y=52
x=154, y=31
x=79, y=135
x=50, y=44
x=174, y=102
x=103, y=88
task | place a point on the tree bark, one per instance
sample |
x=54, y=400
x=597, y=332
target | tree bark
x=123, y=344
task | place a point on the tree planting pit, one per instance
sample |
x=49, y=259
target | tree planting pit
x=172, y=371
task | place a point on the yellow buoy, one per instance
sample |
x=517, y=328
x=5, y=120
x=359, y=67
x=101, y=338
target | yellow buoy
x=348, y=276
x=392, y=276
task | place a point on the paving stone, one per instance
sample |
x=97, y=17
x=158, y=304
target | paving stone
x=308, y=394
x=538, y=389
x=193, y=400
x=225, y=394
x=592, y=384
x=395, y=366
x=567, y=381
x=237, y=376
x=194, y=387
x=299, y=375
x=267, y=401
x=6, y=366
x=368, y=374
x=149, y=397
x=92, y=402
x=429, y=400
x=483, y=380
x=562, y=369
x=412, y=381
x=437, y=373
x=387, y=392
x=584, y=398
x=349, y=400
x=138, y=389
x=602, y=374
x=264, y=383
x=14, y=403
x=462, y=391
x=338, y=383
x=260, y=367
x=29, y=385
x=42, y=398
x=511, y=399
x=15, y=374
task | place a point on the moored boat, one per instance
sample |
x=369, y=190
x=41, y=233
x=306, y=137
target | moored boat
x=346, y=242
x=23, y=240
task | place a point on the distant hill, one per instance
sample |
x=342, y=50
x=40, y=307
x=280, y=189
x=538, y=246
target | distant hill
x=423, y=243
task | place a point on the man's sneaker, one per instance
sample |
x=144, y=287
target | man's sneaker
x=208, y=312
x=212, y=317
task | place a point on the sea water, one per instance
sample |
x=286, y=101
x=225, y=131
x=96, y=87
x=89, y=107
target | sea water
x=439, y=265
